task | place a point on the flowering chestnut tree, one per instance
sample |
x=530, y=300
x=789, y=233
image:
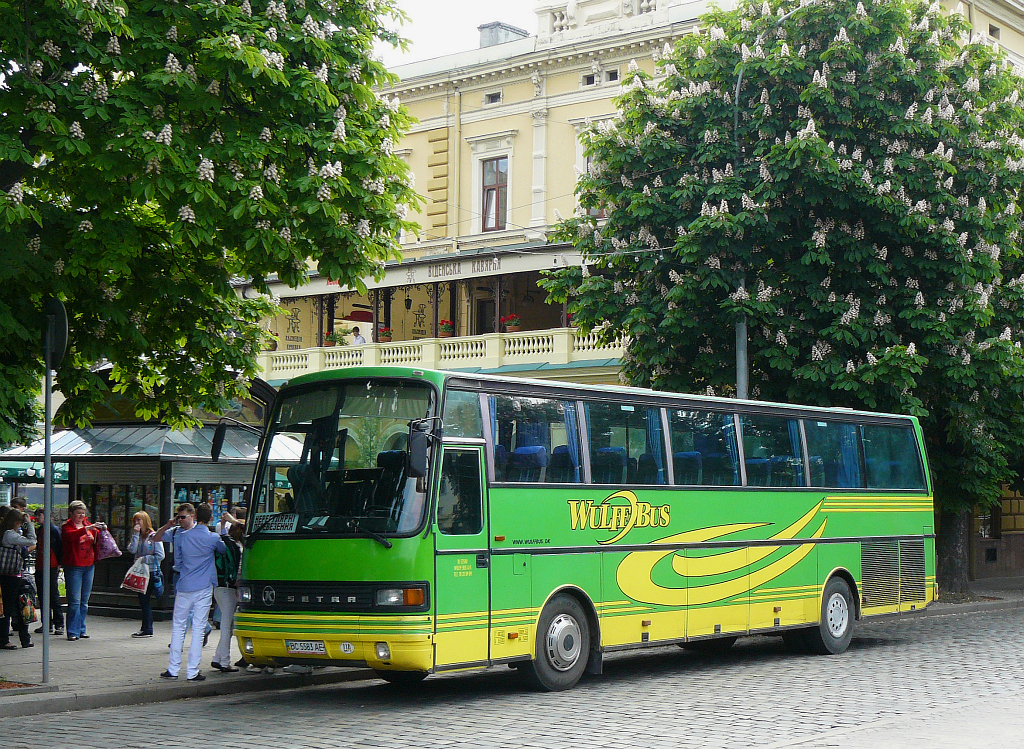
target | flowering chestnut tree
x=844, y=176
x=154, y=152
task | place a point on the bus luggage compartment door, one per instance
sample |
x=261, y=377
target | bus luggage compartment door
x=462, y=561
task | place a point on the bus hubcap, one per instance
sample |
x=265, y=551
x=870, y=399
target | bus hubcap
x=563, y=642
x=837, y=614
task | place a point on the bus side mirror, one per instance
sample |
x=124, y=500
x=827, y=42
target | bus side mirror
x=218, y=441
x=418, y=442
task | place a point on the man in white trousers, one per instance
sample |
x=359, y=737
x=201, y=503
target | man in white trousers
x=194, y=549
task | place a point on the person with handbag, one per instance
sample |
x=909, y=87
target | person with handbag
x=78, y=547
x=151, y=552
x=13, y=546
x=56, y=609
x=228, y=565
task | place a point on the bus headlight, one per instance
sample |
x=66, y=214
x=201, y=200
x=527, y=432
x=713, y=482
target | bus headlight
x=400, y=597
x=383, y=651
x=247, y=646
x=244, y=594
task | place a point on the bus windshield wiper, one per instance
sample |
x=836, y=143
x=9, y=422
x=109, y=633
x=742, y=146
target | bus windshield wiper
x=354, y=525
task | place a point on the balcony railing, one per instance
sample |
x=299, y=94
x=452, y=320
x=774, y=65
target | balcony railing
x=490, y=351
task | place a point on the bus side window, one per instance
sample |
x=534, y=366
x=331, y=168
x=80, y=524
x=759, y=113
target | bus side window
x=891, y=458
x=772, y=450
x=536, y=440
x=833, y=449
x=626, y=444
x=704, y=450
x=459, y=500
x=462, y=415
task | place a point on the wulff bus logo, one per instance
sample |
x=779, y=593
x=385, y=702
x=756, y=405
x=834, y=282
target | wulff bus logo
x=605, y=516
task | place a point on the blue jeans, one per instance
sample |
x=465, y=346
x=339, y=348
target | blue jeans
x=78, y=582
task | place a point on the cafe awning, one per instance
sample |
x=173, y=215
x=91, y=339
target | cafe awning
x=31, y=473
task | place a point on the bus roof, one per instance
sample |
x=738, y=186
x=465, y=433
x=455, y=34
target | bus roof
x=440, y=377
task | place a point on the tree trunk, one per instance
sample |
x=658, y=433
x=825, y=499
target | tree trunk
x=952, y=547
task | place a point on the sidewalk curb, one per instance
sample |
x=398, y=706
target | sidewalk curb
x=56, y=702
x=952, y=609
x=31, y=689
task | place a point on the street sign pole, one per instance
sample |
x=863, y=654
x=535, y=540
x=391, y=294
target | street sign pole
x=47, y=499
x=55, y=341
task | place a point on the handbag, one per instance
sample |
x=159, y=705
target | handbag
x=11, y=560
x=137, y=579
x=158, y=583
x=106, y=546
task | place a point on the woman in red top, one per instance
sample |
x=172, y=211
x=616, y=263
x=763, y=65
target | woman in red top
x=78, y=547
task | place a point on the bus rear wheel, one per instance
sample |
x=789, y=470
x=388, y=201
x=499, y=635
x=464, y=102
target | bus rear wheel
x=401, y=678
x=563, y=645
x=833, y=634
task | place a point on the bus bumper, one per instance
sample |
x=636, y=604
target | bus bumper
x=387, y=644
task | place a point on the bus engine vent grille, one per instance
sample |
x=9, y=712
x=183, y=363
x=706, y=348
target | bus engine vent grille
x=880, y=573
x=912, y=584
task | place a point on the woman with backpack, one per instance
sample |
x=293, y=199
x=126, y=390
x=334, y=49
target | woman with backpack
x=226, y=594
x=144, y=547
x=11, y=583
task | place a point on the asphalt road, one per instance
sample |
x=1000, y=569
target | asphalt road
x=943, y=681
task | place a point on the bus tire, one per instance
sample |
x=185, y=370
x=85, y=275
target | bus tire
x=401, y=678
x=716, y=646
x=563, y=645
x=835, y=630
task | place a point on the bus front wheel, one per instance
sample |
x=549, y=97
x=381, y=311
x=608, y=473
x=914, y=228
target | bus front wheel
x=833, y=634
x=563, y=645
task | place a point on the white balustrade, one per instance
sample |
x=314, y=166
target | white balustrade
x=490, y=351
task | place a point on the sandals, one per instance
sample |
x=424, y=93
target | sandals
x=8, y=646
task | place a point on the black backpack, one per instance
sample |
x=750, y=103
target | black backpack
x=227, y=563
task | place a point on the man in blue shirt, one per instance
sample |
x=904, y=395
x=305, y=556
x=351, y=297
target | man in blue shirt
x=194, y=549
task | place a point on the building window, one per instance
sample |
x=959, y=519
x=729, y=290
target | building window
x=492, y=97
x=993, y=31
x=611, y=76
x=590, y=79
x=495, y=193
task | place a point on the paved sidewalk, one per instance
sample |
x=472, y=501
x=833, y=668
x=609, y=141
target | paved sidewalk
x=111, y=668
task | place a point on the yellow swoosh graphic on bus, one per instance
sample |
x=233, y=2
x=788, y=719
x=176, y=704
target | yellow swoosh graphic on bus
x=731, y=561
x=634, y=572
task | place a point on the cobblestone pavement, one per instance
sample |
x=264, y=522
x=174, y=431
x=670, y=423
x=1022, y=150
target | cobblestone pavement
x=946, y=681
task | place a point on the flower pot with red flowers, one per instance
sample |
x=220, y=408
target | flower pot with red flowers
x=383, y=335
x=512, y=323
x=336, y=337
x=445, y=329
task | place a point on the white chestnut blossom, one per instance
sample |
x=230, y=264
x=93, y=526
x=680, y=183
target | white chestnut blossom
x=271, y=174
x=51, y=49
x=75, y=131
x=265, y=135
x=363, y=228
x=166, y=135
x=323, y=194
x=256, y=193
x=172, y=66
x=113, y=46
x=186, y=214
x=16, y=193
x=217, y=137
x=205, y=170
x=85, y=226
x=172, y=34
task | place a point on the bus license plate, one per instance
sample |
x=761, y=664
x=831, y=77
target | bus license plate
x=306, y=647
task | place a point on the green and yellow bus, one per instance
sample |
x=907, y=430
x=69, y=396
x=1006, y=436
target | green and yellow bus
x=430, y=521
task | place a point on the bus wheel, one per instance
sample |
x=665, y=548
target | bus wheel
x=401, y=678
x=563, y=645
x=833, y=634
x=716, y=646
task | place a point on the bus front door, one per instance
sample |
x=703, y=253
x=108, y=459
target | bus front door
x=462, y=561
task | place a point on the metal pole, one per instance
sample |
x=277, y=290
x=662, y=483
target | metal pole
x=741, y=359
x=51, y=322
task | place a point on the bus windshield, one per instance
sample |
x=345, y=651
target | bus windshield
x=337, y=461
